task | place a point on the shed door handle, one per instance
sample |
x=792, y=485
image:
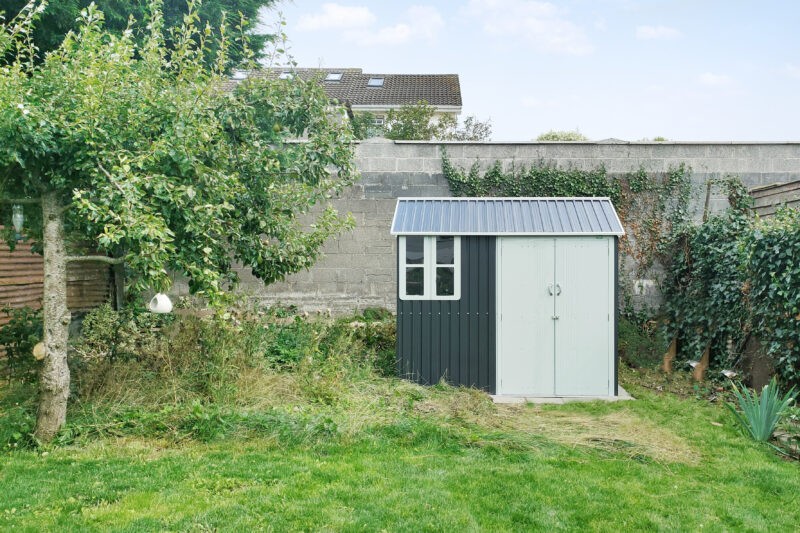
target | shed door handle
x=558, y=289
x=550, y=289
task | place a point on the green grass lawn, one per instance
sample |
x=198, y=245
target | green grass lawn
x=398, y=457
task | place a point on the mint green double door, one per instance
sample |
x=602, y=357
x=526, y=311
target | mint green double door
x=555, y=312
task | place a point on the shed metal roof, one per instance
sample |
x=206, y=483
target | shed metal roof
x=506, y=216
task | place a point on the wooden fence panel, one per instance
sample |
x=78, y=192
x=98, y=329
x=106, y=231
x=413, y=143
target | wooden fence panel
x=22, y=277
x=767, y=199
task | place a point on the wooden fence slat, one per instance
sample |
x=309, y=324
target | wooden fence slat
x=22, y=277
x=768, y=199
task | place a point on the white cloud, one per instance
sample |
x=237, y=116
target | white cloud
x=543, y=24
x=337, y=16
x=793, y=71
x=421, y=22
x=600, y=24
x=710, y=79
x=426, y=21
x=656, y=32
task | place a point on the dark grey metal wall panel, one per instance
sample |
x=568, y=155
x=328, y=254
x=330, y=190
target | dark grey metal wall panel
x=453, y=340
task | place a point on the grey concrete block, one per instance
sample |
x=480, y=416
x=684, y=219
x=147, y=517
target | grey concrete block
x=779, y=150
x=380, y=164
x=786, y=165
x=456, y=151
x=411, y=164
x=359, y=268
x=433, y=166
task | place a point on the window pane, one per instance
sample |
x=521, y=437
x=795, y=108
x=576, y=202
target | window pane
x=445, y=281
x=444, y=250
x=415, y=250
x=415, y=281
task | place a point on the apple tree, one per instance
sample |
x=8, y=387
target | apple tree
x=161, y=163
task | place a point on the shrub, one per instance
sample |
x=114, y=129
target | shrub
x=760, y=415
x=22, y=332
x=640, y=345
x=380, y=341
x=703, y=291
x=562, y=135
x=774, y=268
x=290, y=343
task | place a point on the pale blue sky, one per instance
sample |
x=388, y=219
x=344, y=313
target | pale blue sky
x=630, y=69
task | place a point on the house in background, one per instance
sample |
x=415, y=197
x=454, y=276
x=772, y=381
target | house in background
x=362, y=92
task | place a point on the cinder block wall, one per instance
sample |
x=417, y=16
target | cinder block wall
x=358, y=269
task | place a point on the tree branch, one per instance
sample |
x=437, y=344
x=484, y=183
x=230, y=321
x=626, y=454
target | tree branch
x=21, y=201
x=95, y=259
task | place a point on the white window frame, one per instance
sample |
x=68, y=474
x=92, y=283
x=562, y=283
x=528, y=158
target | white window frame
x=428, y=266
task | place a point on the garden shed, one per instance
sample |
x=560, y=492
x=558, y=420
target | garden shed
x=515, y=296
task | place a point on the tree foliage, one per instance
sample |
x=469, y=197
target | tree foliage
x=413, y=122
x=557, y=135
x=364, y=126
x=166, y=167
x=472, y=129
x=420, y=122
x=62, y=16
x=148, y=154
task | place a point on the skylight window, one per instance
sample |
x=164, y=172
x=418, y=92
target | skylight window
x=239, y=75
x=375, y=82
x=333, y=76
x=286, y=75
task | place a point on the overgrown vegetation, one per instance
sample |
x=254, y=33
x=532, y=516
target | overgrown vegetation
x=736, y=277
x=137, y=147
x=136, y=373
x=17, y=338
x=273, y=419
x=325, y=444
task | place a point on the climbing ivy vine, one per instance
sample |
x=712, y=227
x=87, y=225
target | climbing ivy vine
x=735, y=277
x=724, y=281
x=704, y=290
x=650, y=205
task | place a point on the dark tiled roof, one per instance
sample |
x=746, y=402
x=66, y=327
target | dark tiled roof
x=398, y=89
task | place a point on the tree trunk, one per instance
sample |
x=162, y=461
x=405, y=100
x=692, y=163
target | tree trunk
x=54, y=382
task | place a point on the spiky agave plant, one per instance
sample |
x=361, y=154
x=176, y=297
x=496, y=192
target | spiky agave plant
x=760, y=414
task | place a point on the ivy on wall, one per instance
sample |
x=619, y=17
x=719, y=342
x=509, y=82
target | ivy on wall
x=705, y=302
x=773, y=266
x=650, y=205
x=724, y=280
x=737, y=276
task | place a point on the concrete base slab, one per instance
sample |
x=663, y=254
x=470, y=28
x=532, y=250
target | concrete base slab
x=513, y=398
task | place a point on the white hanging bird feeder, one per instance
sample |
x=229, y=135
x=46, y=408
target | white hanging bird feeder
x=160, y=304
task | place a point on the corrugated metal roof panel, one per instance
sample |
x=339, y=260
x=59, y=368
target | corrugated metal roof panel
x=506, y=216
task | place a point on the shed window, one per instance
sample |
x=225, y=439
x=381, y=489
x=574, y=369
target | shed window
x=430, y=267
